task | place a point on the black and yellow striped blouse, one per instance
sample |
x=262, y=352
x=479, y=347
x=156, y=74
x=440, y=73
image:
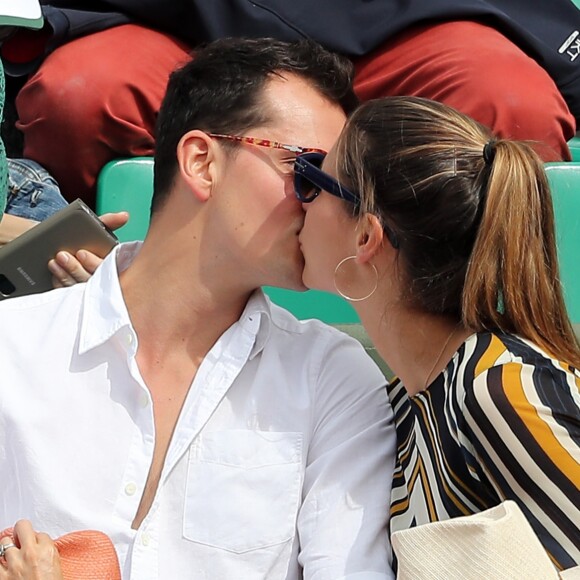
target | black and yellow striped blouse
x=501, y=422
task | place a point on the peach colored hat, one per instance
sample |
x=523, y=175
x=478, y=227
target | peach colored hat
x=85, y=555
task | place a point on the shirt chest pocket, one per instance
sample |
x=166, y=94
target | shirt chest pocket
x=243, y=489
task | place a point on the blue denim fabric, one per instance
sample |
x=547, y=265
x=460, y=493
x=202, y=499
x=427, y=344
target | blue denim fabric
x=32, y=191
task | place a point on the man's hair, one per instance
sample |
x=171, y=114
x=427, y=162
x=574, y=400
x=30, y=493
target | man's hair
x=221, y=91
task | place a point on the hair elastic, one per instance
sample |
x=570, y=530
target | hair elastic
x=489, y=152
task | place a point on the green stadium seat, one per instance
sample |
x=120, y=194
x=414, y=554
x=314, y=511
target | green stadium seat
x=127, y=185
x=565, y=183
x=574, y=144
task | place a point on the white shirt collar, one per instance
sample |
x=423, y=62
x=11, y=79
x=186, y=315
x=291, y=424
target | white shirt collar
x=104, y=311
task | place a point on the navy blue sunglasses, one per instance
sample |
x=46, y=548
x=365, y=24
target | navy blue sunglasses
x=310, y=180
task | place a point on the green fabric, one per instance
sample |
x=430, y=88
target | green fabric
x=3, y=164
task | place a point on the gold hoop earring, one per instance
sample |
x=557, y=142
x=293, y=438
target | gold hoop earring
x=346, y=296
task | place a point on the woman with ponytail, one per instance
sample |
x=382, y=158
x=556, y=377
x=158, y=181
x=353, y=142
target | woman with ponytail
x=442, y=238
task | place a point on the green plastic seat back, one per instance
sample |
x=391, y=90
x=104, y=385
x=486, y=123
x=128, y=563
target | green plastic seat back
x=565, y=184
x=574, y=145
x=127, y=185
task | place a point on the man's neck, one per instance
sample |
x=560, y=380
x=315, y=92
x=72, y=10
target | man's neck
x=173, y=308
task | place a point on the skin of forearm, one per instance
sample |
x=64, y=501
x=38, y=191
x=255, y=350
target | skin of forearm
x=12, y=226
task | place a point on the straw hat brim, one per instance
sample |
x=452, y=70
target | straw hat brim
x=85, y=555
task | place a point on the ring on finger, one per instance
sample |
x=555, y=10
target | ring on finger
x=4, y=547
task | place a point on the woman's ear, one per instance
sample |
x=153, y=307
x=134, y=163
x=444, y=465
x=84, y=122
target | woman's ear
x=196, y=158
x=370, y=238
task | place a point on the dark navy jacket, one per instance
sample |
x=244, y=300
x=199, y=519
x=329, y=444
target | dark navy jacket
x=547, y=30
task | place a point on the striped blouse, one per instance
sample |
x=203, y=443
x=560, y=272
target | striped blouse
x=502, y=421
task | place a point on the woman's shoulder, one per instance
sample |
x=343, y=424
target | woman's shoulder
x=508, y=371
x=485, y=351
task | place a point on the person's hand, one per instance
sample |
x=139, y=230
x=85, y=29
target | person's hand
x=31, y=556
x=68, y=270
x=115, y=220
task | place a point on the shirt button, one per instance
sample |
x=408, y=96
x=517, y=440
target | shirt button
x=145, y=539
x=143, y=400
x=129, y=339
x=130, y=488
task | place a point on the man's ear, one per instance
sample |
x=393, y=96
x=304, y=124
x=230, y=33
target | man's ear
x=196, y=157
x=370, y=238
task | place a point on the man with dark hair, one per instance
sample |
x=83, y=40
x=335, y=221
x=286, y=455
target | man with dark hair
x=167, y=402
x=229, y=98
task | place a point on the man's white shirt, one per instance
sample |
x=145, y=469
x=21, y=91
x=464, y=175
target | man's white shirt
x=279, y=467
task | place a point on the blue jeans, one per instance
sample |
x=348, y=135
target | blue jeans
x=32, y=191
